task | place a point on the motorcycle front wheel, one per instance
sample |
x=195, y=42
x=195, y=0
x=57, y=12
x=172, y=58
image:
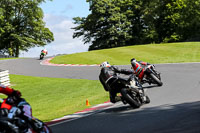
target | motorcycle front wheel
x=155, y=79
x=41, y=57
x=133, y=101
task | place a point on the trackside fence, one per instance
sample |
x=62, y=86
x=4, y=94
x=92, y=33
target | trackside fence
x=4, y=77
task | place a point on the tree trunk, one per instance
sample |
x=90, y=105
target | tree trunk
x=10, y=50
x=17, y=50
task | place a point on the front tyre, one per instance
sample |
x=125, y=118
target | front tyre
x=133, y=101
x=156, y=80
x=147, y=100
x=46, y=129
x=41, y=56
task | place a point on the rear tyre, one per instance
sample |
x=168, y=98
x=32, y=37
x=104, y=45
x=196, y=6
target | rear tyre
x=156, y=80
x=134, y=102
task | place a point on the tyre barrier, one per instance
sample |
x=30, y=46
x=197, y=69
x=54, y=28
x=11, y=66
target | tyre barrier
x=4, y=77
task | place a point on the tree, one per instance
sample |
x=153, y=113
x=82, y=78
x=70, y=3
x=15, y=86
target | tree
x=114, y=23
x=106, y=27
x=23, y=26
x=173, y=20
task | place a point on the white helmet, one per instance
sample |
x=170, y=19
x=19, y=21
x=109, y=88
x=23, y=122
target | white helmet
x=105, y=64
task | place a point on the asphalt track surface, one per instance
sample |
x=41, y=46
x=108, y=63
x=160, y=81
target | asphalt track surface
x=174, y=107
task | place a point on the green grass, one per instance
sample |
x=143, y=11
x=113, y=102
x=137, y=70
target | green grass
x=152, y=53
x=52, y=98
x=8, y=58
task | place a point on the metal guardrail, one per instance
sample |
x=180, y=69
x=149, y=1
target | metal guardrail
x=4, y=77
x=5, y=56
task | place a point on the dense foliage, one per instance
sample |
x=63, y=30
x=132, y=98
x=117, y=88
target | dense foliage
x=114, y=23
x=22, y=26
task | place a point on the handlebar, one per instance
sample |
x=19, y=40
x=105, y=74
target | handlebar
x=13, y=112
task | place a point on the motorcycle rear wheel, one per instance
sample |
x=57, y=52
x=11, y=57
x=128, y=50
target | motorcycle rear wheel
x=129, y=99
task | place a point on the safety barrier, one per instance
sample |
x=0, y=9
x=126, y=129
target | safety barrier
x=4, y=77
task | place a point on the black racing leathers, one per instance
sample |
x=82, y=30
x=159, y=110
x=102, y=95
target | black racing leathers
x=106, y=74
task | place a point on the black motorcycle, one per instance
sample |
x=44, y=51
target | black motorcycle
x=151, y=76
x=131, y=90
x=12, y=121
x=42, y=56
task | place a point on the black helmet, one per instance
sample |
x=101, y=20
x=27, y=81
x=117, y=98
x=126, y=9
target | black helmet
x=133, y=62
x=133, y=59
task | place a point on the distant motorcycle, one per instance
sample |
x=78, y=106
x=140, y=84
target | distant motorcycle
x=42, y=56
x=131, y=90
x=151, y=76
x=12, y=121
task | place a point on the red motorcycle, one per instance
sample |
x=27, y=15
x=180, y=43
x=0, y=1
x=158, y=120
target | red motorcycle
x=12, y=119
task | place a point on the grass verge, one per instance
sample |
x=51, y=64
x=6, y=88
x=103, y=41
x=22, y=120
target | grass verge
x=8, y=58
x=52, y=98
x=152, y=53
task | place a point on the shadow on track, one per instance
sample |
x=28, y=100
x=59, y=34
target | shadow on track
x=119, y=109
x=169, y=118
x=179, y=118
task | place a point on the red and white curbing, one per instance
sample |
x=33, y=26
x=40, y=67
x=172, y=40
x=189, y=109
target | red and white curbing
x=47, y=62
x=79, y=114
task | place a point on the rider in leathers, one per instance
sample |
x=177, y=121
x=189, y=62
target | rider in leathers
x=107, y=71
x=21, y=103
x=139, y=68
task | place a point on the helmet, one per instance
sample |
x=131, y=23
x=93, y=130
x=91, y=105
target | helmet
x=133, y=62
x=105, y=64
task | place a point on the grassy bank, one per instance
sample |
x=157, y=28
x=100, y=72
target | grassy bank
x=153, y=53
x=8, y=58
x=52, y=98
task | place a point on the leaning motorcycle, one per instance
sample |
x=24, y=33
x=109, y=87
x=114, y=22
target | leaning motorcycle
x=42, y=56
x=12, y=121
x=151, y=76
x=131, y=90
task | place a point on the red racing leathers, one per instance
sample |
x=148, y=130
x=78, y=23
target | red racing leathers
x=9, y=92
x=139, y=69
x=6, y=90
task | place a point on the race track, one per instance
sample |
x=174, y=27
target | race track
x=174, y=107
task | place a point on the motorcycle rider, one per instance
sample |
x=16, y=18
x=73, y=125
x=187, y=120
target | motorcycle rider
x=44, y=51
x=22, y=104
x=139, y=68
x=108, y=71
